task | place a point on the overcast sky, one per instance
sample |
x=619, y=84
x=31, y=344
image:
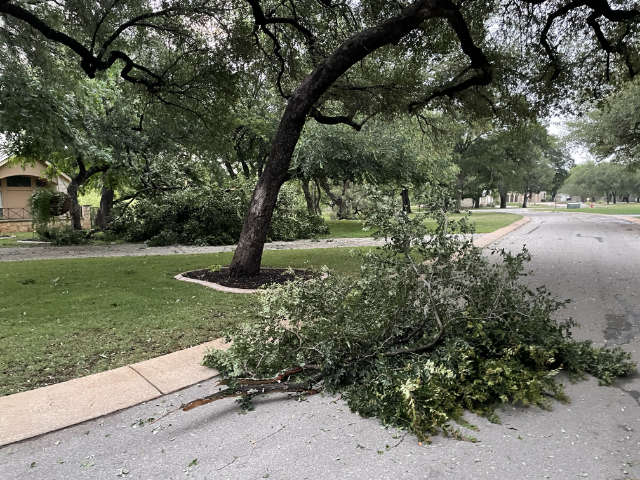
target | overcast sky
x=558, y=127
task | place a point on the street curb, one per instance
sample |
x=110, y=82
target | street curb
x=215, y=286
x=489, y=238
x=33, y=413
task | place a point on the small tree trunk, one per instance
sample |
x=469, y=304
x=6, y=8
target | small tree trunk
x=103, y=218
x=307, y=196
x=406, y=202
x=503, y=199
x=476, y=201
x=229, y=168
x=75, y=211
x=245, y=169
x=337, y=200
x=615, y=198
x=459, y=191
x=526, y=198
x=317, y=197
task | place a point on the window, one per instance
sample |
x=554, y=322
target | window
x=19, y=181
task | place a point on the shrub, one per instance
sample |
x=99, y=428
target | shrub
x=46, y=204
x=211, y=215
x=431, y=327
x=62, y=235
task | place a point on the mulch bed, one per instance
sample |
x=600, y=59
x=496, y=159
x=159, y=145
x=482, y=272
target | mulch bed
x=265, y=277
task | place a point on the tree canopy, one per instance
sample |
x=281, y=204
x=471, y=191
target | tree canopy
x=340, y=62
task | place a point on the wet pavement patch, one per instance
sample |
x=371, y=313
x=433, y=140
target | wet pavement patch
x=619, y=330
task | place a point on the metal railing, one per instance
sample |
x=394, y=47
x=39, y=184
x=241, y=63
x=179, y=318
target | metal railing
x=15, y=214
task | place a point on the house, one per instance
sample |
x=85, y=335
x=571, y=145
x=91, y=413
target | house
x=17, y=184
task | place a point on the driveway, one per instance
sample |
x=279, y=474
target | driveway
x=593, y=259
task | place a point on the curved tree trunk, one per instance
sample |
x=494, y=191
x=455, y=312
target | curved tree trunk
x=248, y=254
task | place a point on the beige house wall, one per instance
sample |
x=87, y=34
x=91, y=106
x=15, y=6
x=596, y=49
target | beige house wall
x=18, y=197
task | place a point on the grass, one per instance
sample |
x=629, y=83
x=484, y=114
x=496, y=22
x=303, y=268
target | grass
x=13, y=242
x=485, y=222
x=61, y=319
x=598, y=208
x=604, y=209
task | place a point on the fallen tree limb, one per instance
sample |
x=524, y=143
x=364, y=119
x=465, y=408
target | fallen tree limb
x=250, y=387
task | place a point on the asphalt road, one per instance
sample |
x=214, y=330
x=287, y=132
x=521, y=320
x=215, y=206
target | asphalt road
x=595, y=260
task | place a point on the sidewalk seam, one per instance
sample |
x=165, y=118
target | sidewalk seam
x=146, y=380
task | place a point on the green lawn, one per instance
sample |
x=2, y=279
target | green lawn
x=13, y=242
x=61, y=319
x=618, y=209
x=485, y=222
x=599, y=208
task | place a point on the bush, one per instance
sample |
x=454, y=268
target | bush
x=46, y=204
x=431, y=327
x=62, y=235
x=211, y=216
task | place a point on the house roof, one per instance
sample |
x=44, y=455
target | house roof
x=4, y=161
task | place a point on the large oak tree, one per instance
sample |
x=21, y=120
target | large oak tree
x=341, y=62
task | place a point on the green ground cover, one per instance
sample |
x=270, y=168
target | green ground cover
x=599, y=208
x=61, y=319
x=485, y=222
x=618, y=209
x=13, y=241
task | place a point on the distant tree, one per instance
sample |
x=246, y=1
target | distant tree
x=612, y=131
x=606, y=180
x=392, y=154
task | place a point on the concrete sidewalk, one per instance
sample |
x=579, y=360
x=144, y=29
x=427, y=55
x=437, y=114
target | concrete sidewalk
x=32, y=413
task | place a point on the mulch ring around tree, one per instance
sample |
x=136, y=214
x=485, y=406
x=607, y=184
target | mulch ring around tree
x=267, y=276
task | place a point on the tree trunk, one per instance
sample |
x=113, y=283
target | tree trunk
x=307, y=196
x=248, y=254
x=503, y=199
x=75, y=211
x=406, y=202
x=104, y=216
x=476, y=201
x=229, y=168
x=615, y=197
x=526, y=199
x=245, y=169
x=338, y=200
x=318, y=197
